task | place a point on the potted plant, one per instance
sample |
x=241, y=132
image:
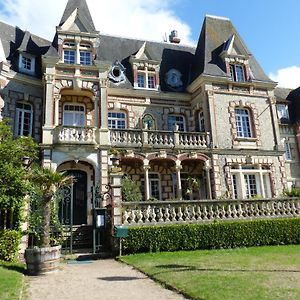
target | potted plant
x=43, y=257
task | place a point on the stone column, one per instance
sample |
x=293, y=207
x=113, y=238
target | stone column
x=56, y=111
x=146, y=179
x=178, y=179
x=241, y=183
x=261, y=182
x=49, y=110
x=213, y=121
x=207, y=168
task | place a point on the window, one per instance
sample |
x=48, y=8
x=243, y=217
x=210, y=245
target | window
x=85, y=58
x=149, y=121
x=237, y=73
x=26, y=63
x=116, y=120
x=282, y=112
x=23, y=119
x=146, y=79
x=201, y=121
x=288, y=152
x=151, y=81
x=70, y=50
x=69, y=57
x=141, y=80
x=250, y=183
x=74, y=115
x=154, y=186
x=174, y=119
x=243, y=123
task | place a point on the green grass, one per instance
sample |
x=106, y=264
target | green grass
x=11, y=280
x=241, y=274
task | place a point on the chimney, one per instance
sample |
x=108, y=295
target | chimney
x=173, y=37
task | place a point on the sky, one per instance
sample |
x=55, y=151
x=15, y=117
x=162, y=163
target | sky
x=270, y=29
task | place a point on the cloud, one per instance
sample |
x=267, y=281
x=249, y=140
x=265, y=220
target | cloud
x=287, y=77
x=148, y=20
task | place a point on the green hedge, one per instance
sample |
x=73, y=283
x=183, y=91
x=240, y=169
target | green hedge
x=213, y=235
x=9, y=244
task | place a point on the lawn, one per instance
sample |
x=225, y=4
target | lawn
x=242, y=274
x=11, y=280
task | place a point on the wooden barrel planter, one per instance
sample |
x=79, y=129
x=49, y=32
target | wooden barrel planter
x=42, y=260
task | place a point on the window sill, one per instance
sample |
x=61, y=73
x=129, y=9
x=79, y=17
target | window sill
x=245, y=139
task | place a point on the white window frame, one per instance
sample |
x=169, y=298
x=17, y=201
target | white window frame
x=146, y=74
x=157, y=181
x=20, y=119
x=243, y=121
x=235, y=74
x=115, y=121
x=74, y=113
x=282, y=112
x=240, y=178
x=67, y=58
x=22, y=67
x=181, y=124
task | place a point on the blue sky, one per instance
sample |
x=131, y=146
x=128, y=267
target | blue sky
x=269, y=28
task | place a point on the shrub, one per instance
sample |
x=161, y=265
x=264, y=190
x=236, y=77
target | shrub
x=9, y=244
x=131, y=190
x=295, y=192
x=213, y=236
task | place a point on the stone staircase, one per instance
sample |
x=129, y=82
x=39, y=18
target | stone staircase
x=82, y=237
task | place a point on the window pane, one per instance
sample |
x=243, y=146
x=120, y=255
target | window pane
x=250, y=182
x=116, y=120
x=24, y=119
x=243, y=125
x=85, y=58
x=288, y=153
x=179, y=120
x=151, y=81
x=69, y=56
x=239, y=73
x=74, y=115
x=141, y=80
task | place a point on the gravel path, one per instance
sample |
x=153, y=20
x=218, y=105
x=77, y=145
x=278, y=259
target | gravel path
x=102, y=279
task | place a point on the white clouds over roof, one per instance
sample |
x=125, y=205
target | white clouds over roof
x=287, y=77
x=148, y=20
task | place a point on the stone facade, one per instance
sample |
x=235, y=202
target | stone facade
x=168, y=118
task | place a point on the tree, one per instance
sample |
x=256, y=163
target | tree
x=14, y=185
x=48, y=182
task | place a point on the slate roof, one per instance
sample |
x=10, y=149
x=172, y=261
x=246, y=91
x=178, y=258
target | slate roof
x=15, y=40
x=281, y=94
x=215, y=33
x=170, y=55
x=83, y=11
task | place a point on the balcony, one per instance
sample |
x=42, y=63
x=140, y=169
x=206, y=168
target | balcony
x=159, y=139
x=74, y=135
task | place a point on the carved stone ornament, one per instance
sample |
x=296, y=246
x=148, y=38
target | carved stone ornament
x=173, y=79
x=117, y=73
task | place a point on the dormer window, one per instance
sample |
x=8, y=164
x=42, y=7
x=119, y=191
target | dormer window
x=146, y=78
x=26, y=63
x=237, y=72
x=70, y=51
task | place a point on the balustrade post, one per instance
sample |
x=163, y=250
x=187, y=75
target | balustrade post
x=145, y=135
x=208, y=139
x=176, y=135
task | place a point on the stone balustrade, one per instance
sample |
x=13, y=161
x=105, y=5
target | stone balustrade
x=75, y=135
x=158, y=139
x=163, y=212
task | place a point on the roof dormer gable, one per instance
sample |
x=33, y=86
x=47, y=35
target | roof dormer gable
x=234, y=47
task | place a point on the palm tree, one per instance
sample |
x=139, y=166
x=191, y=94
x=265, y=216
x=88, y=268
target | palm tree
x=48, y=182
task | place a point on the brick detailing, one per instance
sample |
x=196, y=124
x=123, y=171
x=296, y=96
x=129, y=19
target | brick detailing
x=216, y=177
x=282, y=171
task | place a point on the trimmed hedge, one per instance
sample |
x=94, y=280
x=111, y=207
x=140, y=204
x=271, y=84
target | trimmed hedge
x=9, y=244
x=213, y=235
